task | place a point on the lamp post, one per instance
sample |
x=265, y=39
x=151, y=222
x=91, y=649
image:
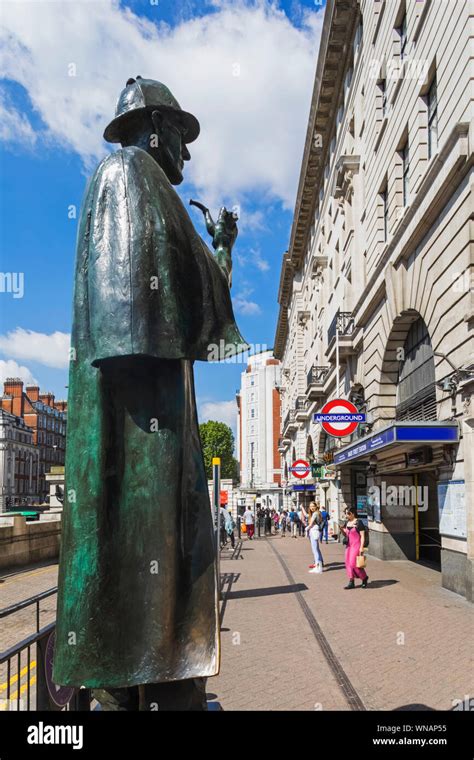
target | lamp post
x=216, y=475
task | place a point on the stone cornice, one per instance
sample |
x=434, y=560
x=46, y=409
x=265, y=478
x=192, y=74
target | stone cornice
x=338, y=30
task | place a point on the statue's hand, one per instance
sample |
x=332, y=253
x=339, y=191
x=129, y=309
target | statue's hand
x=225, y=231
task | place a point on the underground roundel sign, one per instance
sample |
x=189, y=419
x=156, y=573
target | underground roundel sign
x=339, y=417
x=300, y=468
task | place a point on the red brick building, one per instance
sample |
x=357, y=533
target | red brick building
x=46, y=417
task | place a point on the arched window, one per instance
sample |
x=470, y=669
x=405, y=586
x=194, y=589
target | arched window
x=416, y=393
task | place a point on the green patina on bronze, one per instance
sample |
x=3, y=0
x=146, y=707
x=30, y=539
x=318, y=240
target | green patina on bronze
x=137, y=600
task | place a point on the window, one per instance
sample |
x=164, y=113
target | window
x=358, y=37
x=383, y=93
x=402, y=31
x=432, y=119
x=416, y=392
x=347, y=84
x=405, y=171
x=384, y=197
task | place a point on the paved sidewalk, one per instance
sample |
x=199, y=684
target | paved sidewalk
x=23, y=583
x=403, y=641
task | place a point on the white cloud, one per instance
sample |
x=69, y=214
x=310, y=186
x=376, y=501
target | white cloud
x=243, y=305
x=244, y=70
x=253, y=258
x=14, y=127
x=10, y=368
x=220, y=411
x=51, y=350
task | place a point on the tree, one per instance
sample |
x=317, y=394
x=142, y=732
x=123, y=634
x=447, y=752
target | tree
x=218, y=441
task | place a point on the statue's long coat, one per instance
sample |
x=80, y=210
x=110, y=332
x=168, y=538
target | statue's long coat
x=137, y=600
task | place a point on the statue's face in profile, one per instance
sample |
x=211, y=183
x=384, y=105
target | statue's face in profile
x=172, y=151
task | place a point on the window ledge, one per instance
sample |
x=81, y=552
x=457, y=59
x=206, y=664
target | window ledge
x=382, y=129
x=398, y=83
x=421, y=20
x=379, y=20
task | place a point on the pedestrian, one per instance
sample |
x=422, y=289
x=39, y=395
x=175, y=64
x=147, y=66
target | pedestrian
x=302, y=521
x=325, y=526
x=283, y=520
x=268, y=523
x=223, y=517
x=294, y=520
x=229, y=527
x=276, y=520
x=314, y=533
x=354, y=539
x=249, y=521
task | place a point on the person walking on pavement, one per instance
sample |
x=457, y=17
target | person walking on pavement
x=354, y=533
x=268, y=523
x=294, y=520
x=314, y=533
x=223, y=517
x=229, y=526
x=249, y=521
x=303, y=521
x=283, y=521
x=276, y=520
x=325, y=526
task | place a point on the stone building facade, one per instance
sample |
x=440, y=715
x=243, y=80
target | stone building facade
x=19, y=463
x=258, y=430
x=376, y=297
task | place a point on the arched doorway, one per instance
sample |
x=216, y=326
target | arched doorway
x=408, y=394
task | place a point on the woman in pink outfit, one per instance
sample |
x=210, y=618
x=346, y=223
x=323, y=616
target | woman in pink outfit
x=354, y=531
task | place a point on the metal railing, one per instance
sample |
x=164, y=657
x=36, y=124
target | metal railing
x=317, y=375
x=300, y=404
x=20, y=662
x=344, y=322
x=289, y=419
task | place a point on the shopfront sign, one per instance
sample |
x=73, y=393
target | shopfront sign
x=366, y=447
x=399, y=432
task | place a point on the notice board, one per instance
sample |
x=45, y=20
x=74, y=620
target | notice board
x=452, y=508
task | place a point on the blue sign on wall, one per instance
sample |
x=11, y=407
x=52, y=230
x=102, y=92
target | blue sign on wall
x=399, y=434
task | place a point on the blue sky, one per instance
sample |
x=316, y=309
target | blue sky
x=244, y=68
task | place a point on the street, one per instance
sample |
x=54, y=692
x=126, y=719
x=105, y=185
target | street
x=297, y=641
x=291, y=640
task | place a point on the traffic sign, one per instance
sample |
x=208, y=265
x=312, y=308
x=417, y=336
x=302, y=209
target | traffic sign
x=339, y=417
x=300, y=468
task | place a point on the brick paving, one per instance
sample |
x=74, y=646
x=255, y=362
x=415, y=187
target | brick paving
x=16, y=585
x=403, y=641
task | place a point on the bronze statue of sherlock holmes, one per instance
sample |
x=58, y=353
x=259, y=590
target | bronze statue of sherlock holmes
x=137, y=599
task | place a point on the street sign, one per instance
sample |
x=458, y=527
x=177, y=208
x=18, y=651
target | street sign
x=300, y=468
x=224, y=497
x=339, y=417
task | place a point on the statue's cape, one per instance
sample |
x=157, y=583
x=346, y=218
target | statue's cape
x=146, y=284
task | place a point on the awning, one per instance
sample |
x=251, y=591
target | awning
x=399, y=433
